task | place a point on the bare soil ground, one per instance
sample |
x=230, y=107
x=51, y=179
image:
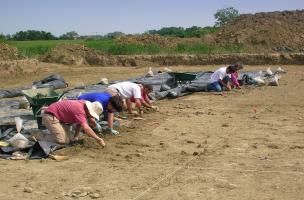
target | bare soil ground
x=202, y=146
x=261, y=32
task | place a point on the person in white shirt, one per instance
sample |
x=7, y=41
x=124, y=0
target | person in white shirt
x=129, y=90
x=220, y=79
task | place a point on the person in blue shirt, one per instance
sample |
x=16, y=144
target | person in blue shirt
x=109, y=103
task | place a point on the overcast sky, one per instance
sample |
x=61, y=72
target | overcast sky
x=129, y=16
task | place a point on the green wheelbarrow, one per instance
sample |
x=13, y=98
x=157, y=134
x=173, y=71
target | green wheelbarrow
x=182, y=78
x=39, y=98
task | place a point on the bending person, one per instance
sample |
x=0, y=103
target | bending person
x=127, y=90
x=58, y=117
x=110, y=103
x=234, y=76
x=145, y=101
x=220, y=79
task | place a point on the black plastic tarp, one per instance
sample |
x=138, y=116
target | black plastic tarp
x=163, y=84
x=52, y=81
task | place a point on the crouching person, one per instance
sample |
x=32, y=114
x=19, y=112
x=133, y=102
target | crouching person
x=234, y=76
x=220, y=79
x=145, y=101
x=60, y=115
x=111, y=103
x=127, y=90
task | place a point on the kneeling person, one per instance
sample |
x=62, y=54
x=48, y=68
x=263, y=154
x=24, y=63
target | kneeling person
x=110, y=103
x=145, y=101
x=60, y=115
x=220, y=79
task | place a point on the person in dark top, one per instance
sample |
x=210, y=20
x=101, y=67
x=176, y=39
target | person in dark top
x=110, y=104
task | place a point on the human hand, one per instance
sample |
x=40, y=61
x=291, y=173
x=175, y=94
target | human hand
x=75, y=139
x=101, y=142
x=134, y=112
x=155, y=108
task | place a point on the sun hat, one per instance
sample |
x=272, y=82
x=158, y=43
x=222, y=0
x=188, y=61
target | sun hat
x=95, y=108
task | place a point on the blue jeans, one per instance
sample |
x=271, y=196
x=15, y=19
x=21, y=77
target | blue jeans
x=217, y=86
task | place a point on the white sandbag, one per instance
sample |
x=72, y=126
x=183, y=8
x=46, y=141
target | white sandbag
x=104, y=81
x=18, y=140
x=80, y=85
x=274, y=81
x=166, y=69
x=79, y=94
x=269, y=72
x=18, y=122
x=150, y=73
x=281, y=70
x=278, y=76
x=259, y=80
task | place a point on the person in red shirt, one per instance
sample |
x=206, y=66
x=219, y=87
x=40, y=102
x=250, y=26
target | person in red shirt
x=145, y=101
x=58, y=117
x=234, y=76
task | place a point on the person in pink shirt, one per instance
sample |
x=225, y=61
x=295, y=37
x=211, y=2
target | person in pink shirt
x=58, y=117
x=234, y=76
x=145, y=101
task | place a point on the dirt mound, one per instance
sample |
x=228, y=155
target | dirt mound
x=8, y=53
x=148, y=39
x=72, y=54
x=18, y=67
x=161, y=41
x=79, y=54
x=273, y=30
x=165, y=60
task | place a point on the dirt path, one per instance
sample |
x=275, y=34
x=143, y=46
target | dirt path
x=202, y=146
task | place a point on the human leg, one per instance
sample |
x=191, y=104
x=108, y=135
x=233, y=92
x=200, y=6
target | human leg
x=58, y=132
x=215, y=86
x=227, y=81
x=129, y=105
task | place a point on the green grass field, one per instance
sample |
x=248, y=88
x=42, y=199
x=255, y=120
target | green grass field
x=37, y=47
x=109, y=46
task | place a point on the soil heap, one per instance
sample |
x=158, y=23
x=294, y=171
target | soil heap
x=75, y=54
x=148, y=39
x=264, y=31
x=8, y=52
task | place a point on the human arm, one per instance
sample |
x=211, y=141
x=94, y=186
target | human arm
x=226, y=85
x=77, y=132
x=145, y=101
x=110, y=119
x=234, y=80
x=78, y=128
x=129, y=105
x=137, y=94
x=87, y=130
x=146, y=104
x=138, y=106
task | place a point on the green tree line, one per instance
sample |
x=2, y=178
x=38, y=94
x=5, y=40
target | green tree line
x=28, y=35
x=181, y=32
x=222, y=17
